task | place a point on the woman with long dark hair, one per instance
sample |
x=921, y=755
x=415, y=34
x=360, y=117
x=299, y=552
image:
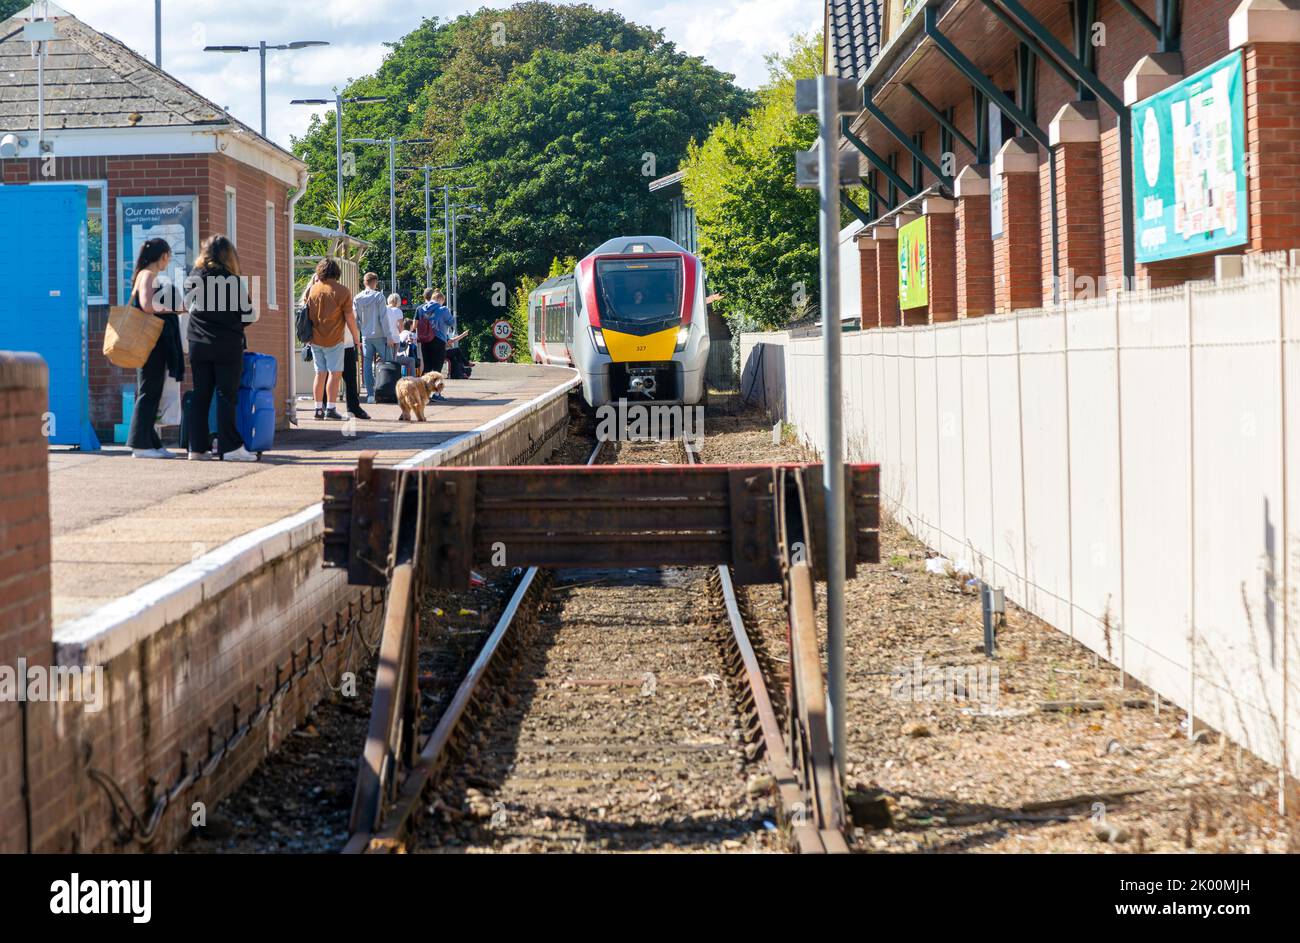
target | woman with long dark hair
x=151, y=292
x=219, y=310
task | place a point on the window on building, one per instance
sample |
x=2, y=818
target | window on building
x=96, y=237
x=231, y=215
x=272, y=300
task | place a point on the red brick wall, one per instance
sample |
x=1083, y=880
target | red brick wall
x=1078, y=181
x=867, y=283
x=974, y=257
x=1273, y=139
x=941, y=247
x=1204, y=40
x=1017, y=277
x=25, y=622
x=204, y=175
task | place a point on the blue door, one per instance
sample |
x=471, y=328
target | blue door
x=43, y=298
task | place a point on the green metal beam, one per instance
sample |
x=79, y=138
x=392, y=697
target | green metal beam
x=1023, y=35
x=1170, y=17
x=1067, y=58
x=847, y=202
x=944, y=121
x=981, y=81
x=910, y=145
x=876, y=160
x=1139, y=14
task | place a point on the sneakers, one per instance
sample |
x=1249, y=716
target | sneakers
x=150, y=453
x=332, y=415
x=199, y=456
x=240, y=454
x=320, y=413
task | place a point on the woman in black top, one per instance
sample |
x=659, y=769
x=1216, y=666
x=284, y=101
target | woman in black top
x=151, y=292
x=219, y=310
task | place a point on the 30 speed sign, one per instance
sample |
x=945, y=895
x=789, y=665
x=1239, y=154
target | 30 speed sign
x=502, y=330
x=502, y=350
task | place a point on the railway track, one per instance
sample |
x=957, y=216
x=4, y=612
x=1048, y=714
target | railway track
x=610, y=708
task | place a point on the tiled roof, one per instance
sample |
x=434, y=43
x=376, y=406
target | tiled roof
x=852, y=35
x=94, y=81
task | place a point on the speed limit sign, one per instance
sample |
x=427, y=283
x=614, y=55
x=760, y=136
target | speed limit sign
x=502, y=330
x=502, y=350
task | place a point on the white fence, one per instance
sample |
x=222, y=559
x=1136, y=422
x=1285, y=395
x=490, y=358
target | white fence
x=1127, y=468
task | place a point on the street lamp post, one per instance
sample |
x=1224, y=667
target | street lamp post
x=455, y=280
x=339, y=102
x=261, y=48
x=428, y=247
x=392, y=194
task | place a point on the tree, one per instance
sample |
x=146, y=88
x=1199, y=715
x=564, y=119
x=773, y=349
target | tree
x=9, y=7
x=757, y=232
x=563, y=155
x=431, y=78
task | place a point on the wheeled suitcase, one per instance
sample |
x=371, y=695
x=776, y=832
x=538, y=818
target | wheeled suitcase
x=255, y=419
x=259, y=372
x=386, y=377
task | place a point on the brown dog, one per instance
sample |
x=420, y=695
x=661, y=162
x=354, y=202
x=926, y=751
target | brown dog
x=413, y=394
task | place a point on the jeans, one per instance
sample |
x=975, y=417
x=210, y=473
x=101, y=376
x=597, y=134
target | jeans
x=216, y=373
x=149, y=381
x=373, y=347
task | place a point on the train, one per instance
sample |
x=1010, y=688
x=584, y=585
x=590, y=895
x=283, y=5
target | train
x=631, y=318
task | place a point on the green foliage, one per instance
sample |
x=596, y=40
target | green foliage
x=9, y=7
x=518, y=311
x=758, y=233
x=552, y=109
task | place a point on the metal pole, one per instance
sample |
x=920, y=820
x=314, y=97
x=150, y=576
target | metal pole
x=833, y=468
x=446, y=242
x=392, y=213
x=452, y=299
x=338, y=147
x=157, y=33
x=428, y=246
x=262, y=53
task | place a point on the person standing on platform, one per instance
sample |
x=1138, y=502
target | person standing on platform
x=220, y=308
x=330, y=305
x=371, y=310
x=151, y=294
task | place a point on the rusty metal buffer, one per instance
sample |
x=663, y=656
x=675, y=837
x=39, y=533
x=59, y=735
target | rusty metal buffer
x=449, y=520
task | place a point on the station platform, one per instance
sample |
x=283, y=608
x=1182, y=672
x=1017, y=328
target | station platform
x=119, y=523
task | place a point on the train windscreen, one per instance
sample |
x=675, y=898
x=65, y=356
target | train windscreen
x=639, y=296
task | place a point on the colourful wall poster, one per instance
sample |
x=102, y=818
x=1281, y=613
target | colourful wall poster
x=913, y=266
x=1189, y=165
x=139, y=218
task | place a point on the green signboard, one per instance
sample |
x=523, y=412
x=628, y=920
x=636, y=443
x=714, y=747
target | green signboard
x=1189, y=166
x=913, y=281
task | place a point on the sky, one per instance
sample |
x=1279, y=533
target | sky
x=731, y=35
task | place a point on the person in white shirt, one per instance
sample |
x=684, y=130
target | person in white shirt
x=394, y=324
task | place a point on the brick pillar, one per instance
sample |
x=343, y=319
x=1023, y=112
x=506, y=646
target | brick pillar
x=941, y=258
x=1017, y=262
x=25, y=621
x=886, y=240
x=974, y=242
x=1269, y=33
x=1075, y=136
x=867, y=281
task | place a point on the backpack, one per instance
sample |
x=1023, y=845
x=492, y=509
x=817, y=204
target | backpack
x=302, y=323
x=424, y=332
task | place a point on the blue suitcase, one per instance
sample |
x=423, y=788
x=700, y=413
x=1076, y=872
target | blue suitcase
x=255, y=419
x=258, y=372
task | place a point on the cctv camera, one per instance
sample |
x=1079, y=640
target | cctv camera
x=10, y=145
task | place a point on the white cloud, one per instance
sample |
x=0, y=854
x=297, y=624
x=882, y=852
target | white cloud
x=732, y=35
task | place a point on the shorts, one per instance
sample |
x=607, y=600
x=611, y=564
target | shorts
x=328, y=359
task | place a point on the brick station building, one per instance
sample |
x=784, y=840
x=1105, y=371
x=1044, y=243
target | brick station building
x=127, y=130
x=999, y=124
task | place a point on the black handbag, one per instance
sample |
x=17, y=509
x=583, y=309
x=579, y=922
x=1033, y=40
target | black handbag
x=302, y=323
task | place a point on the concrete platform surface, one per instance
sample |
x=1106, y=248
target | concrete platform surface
x=119, y=522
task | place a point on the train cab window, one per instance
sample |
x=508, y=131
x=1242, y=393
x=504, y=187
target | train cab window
x=636, y=293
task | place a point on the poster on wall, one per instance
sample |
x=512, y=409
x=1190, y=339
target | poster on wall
x=913, y=281
x=140, y=218
x=1189, y=166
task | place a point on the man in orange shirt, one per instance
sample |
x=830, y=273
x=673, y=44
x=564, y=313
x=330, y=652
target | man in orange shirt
x=330, y=305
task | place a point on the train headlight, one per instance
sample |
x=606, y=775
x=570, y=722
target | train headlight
x=683, y=335
x=598, y=339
